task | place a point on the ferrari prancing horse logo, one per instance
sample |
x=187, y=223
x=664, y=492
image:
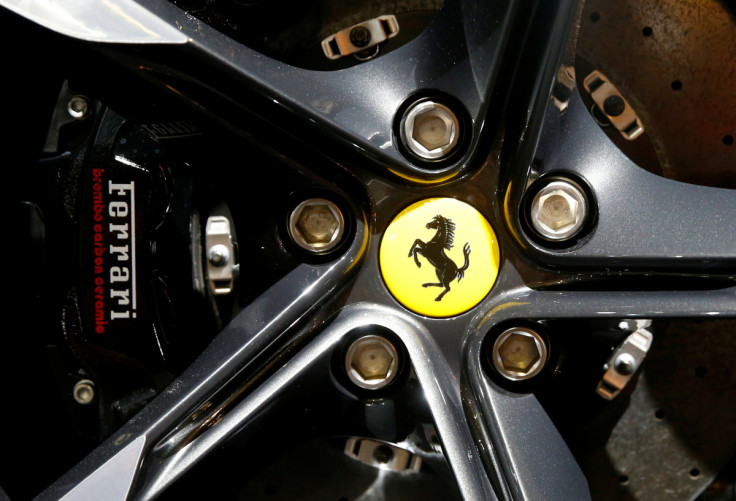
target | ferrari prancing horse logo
x=427, y=229
x=434, y=252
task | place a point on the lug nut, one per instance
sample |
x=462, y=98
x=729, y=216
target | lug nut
x=559, y=210
x=78, y=107
x=429, y=130
x=519, y=353
x=371, y=362
x=316, y=225
x=84, y=391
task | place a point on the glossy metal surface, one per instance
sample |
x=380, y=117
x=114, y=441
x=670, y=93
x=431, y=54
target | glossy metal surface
x=369, y=33
x=317, y=225
x=624, y=362
x=429, y=130
x=536, y=462
x=519, y=353
x=630, y=202
x=372, y=362
x=112, y=480
x=559, y=210
x=265, y=321
x=358, y=105
x=111, y=21
x=432, y=372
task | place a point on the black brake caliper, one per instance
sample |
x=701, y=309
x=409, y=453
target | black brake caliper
x=139, y=308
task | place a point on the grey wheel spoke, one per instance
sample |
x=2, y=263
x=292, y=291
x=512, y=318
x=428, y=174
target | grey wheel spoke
x=224, y=371
x=355, y=106
x=525, y=444
x=644, y=221
x=532, y=457
x=438, y=381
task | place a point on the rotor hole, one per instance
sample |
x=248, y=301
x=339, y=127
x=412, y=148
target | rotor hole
x=647, y=31
x=659, y=414
x=694, y=473
x=728, y=140
x=701, y=371
x=595, y=17
x=334, y=47
x=623, y=480
x=676, y=85
x=271, y=489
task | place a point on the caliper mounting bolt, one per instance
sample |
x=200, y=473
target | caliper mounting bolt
x=78, y=107
x=84, y=391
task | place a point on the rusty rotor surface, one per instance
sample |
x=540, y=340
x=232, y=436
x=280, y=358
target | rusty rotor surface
x=675, y=62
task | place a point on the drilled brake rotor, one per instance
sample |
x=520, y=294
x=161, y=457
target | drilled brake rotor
x=674, y=62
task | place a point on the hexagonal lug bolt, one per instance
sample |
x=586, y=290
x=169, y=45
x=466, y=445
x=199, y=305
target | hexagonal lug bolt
x=519, y=353
x=430, y=130
x=316, y=225
x=84, y=392
x=559, y=210
x=372, y=362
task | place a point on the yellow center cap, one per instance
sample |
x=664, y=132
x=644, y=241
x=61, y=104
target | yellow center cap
x=439, y=257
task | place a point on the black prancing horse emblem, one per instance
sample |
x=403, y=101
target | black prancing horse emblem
x=434, y=252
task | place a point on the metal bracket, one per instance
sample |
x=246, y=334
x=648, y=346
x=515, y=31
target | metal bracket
x=382, y=455
x=563, y=87
x=360, y=37
x=613, y=105
x=63, y=115
x=625, y=360
x=220, y=255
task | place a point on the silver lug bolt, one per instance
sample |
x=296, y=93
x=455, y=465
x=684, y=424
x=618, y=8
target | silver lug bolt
x=316, y=225
x=78, y=108
x=430, y=130
x=559, y=210
x=218, y=255
x=519, y=353
x=371, y=362
x=84, y=391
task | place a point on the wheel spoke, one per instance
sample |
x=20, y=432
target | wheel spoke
x=290, y=382
x=525, y=443
x=692, y=230
x=356, y=105
x=227, y=366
